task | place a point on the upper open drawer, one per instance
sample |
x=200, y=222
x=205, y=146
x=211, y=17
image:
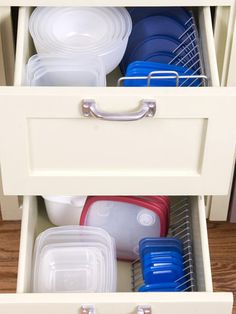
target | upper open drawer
x=49, y=147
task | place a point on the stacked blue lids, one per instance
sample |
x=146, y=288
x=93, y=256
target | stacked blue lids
x=162, y=265
x=159, y=74
x=167, y=37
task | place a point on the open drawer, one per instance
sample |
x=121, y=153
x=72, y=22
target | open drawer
x=49, y=147
x=35, y=220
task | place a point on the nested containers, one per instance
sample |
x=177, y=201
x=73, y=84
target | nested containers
x=127, y=219
x=74, y=259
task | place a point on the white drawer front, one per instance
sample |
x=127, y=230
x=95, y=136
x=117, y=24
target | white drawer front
x=164, y=303
x=49, y=147
x=205, y=301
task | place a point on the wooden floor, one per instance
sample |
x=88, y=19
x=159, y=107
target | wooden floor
x=222, y=239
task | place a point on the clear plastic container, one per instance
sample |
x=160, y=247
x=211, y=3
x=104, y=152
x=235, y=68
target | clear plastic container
x=70, y=269
x=54, y=70
x=127, y=220
x=74, y=237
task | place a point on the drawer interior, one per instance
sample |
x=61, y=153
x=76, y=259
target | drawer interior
x=35, y=220
x=25, y=48
x=205, y=301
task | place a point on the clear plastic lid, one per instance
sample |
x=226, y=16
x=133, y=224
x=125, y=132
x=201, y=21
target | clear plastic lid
x=126, y=222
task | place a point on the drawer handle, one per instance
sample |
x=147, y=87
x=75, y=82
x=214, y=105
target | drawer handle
x=144, y=309
x=147, y=109
x=141, y=309
x=87, y=309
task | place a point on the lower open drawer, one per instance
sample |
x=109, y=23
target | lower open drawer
x=203, y=301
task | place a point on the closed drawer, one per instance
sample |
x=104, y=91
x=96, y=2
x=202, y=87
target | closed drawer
x=203, y=301
x=49, y=147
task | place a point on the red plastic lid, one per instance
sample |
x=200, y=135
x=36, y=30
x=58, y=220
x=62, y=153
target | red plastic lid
x=159, y=209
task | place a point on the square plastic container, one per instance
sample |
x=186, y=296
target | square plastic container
x=74, y=259
x=127, y=220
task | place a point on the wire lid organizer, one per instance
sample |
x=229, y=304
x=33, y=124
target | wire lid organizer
x=180, y=228
x=188, y=54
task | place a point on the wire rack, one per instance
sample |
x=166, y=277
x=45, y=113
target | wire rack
x=188, y=55
x=180, y=228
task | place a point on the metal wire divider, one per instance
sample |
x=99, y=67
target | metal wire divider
x=188, y=54
x=180, y=228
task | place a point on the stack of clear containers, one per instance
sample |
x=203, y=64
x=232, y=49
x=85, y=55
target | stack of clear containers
x=74, y=259
x=55, y=70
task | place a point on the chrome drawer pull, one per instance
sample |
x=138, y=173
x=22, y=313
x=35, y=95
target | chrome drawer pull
x=87, y=309
x=141, y=309
x=147, y=109
x=144, y=309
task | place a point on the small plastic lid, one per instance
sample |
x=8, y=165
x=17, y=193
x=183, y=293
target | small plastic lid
x=146, y=218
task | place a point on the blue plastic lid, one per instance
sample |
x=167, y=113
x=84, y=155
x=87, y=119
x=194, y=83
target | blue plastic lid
x=139, y=69
x=180, y=14
x=152, y=26
x=162, y=287
x=161, y=241
x=157, y=66
x=168, y=273
x=156, y=44
x=153, y=255
x=154, y=262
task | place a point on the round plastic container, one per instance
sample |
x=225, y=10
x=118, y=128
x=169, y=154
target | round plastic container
x=74, y=30
x=43, y=19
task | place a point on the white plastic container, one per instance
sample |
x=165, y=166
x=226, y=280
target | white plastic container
x=64, y=210
x=103, y=31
